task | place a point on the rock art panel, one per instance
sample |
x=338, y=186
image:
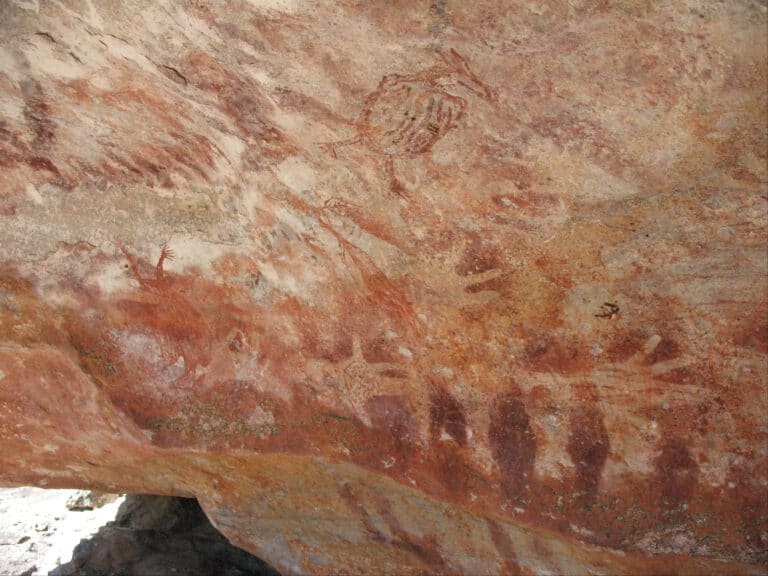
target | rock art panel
x=407, y=114
x=395, y=288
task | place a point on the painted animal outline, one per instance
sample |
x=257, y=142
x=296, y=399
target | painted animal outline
x=158, y=281
x=180, y=328
x=407, y=114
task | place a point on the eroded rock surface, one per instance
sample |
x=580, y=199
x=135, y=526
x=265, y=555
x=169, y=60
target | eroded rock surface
x=395, y=287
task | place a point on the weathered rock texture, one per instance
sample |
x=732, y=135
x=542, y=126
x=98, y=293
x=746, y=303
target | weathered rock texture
x=395, y=287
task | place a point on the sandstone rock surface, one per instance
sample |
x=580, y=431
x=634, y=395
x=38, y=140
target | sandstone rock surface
x=395, y=287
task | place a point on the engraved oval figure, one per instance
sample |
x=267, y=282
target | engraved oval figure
x=407, y=114
x=409, y=117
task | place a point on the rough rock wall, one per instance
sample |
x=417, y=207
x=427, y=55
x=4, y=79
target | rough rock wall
x=395, y=287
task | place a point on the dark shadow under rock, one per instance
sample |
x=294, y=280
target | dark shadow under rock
x=159, y=536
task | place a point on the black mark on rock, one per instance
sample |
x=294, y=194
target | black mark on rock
x=608, y=310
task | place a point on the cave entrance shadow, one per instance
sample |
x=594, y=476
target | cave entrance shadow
x=160, y=536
